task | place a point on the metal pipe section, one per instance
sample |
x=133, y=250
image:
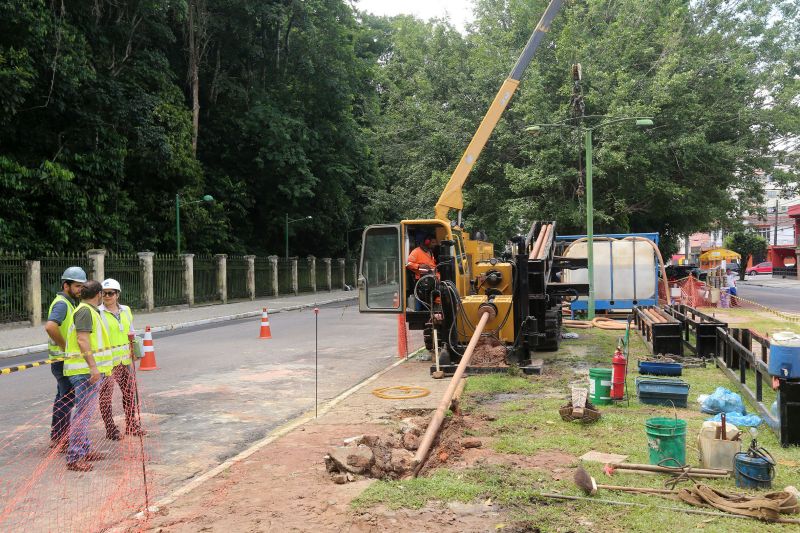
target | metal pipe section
x=488, y=312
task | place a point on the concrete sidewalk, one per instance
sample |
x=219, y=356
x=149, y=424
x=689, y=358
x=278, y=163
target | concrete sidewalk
x=770, y=281
x=25, y=340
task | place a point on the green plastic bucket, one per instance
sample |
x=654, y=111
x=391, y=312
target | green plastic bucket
x=666, y=440
x=600, y=386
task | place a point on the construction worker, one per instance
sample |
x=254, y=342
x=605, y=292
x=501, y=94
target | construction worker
x=421, y=260
x=118, y=321
x=89, y=361
x=59, y=320
x=731, y=279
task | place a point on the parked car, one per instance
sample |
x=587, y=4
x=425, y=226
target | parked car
x=761, y=268
x=676, y=272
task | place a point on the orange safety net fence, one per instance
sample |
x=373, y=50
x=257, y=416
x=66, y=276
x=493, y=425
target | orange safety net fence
x=37, y=490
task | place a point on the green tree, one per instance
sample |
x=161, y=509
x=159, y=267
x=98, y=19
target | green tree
x=747, y=244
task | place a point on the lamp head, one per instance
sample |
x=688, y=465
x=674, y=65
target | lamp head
x=644, y=122
x=208, y=198
x=533, y=129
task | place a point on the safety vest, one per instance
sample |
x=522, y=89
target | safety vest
x=100, y=346
x=53, y=349
x=118, y=333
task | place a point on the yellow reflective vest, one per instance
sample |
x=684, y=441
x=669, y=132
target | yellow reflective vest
x=100, y=346
x=118, y=329
x=53, y=349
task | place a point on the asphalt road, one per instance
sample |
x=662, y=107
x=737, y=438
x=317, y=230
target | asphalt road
x=217, y=390
x=782, y=298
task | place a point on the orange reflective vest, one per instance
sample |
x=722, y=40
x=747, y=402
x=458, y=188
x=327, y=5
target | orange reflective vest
x=418, y=257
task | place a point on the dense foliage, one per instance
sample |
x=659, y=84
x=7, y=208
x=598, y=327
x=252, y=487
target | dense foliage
x=111, y=108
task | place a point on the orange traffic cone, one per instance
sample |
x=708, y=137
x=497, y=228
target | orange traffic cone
x=402, y=339
x=149, y=359
x=265, y=331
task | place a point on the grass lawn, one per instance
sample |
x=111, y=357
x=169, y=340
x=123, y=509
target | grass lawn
x=525, y=422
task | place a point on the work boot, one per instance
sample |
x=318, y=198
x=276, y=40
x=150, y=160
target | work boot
x=60, y=445
x=113, y=434
x=94, y=456
x=136, y=432
x=79, y=466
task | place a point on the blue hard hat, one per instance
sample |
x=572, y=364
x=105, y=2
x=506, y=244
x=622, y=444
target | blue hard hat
x=74, y=273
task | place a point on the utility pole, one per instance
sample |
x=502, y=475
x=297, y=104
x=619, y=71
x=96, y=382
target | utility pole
x=775, y=237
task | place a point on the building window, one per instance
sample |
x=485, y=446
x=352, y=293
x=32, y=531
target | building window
x=764, y=232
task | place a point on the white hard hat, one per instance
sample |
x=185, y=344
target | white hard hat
x=112, y=284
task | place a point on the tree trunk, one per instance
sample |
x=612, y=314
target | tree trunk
x=194, y=72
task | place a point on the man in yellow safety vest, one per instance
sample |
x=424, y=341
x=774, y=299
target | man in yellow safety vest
x=118, y=320
x=89, y=360
x=59, y=321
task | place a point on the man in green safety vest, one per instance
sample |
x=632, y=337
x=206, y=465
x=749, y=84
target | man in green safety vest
x=89, y=360
x=59, y=320
x=118, y=320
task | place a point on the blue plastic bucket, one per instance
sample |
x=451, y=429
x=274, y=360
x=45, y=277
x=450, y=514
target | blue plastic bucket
x=752, y=472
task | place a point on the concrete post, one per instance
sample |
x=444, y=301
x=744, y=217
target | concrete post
x=33, y=292
x=251, y=276
x=327, y=261
x=146, y=272
x=188, y=277
x=98, y=259
x=294, y=276
x=355, y=275
x=342, y=265
x=222, y=277
x=273, y=263
x=312, y=272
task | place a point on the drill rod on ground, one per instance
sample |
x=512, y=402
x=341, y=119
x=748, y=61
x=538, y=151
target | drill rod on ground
x=487, y=312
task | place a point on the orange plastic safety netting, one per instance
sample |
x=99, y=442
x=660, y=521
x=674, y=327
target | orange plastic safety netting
x=108, y=437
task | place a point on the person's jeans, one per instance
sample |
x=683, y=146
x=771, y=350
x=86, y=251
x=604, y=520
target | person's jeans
x=62, y=406
x=124, y=377
x=85, y=404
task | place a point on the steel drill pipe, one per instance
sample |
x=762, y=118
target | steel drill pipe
x=488, y=312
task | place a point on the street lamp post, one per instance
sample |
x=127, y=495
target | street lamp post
x=587, y=133
x=207, y=198
x=286, y=233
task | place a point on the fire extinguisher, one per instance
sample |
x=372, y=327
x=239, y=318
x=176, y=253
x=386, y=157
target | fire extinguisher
x=619, y=364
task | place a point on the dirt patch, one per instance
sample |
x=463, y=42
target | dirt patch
x=489, y=352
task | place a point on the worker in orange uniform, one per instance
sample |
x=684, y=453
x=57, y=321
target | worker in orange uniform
x=421, y=262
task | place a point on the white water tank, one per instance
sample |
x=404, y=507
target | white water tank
x=623, y=269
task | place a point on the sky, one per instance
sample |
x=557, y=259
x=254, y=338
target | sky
x=459, y=11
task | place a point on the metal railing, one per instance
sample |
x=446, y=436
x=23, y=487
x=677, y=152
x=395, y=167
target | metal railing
x=12, y=294
x=285, y=276
x=305, y=283
x=264, y=285
x=322, y=276
x=236, y=277
x=126, y=269
x=737, y=360
x=52, y=267
x=336, y=275
x=169, y=287
x=349, y=272
x=205, y=279
x=785, y=272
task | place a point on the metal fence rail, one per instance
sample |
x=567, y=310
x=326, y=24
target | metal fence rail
x=264, y=285
x=52, y=267
x=169, y=287
x=236, y=276
x=126, y=269
x=12, y=284
x=336, y=275
x=205, y=279
x=322, y=275
x=285, y=276
x=736, y=359
x=350, y=272
x=304, y=279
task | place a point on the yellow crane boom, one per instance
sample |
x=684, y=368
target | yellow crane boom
x=451, y=197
